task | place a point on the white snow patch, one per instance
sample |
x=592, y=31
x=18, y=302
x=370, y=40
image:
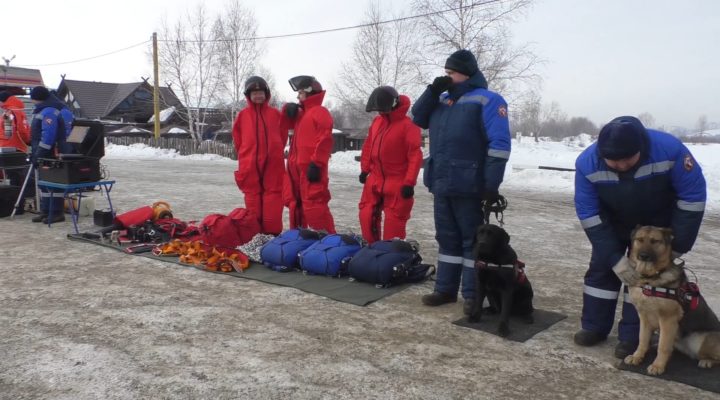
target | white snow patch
x=521, y=172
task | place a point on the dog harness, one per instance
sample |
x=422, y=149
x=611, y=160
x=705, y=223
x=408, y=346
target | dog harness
x=518, y=267
x=688, y=294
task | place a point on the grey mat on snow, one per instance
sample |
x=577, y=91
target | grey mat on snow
x=680, y=368
x=340, y=289
x=519, y=330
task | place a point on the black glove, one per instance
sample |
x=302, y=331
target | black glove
x=363, y=177
x=34, y=159
x=490, y=196
x=291, y=110
x=407, y=191
x=440, y=84
x=313, y=172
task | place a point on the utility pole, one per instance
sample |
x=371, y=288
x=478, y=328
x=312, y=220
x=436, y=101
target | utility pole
x=156, y=87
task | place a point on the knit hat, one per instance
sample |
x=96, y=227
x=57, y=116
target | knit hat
x=462, y=61
x=4, y=96
x=40, y=93
x=621, y=138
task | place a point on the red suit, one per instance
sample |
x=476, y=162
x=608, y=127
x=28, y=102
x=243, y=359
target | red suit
x=259, y=142
x=311, y=142
x=15, y=130
x=392, y=157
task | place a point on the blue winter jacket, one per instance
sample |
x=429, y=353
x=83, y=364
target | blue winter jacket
x=47, y=130
x=665, y=189
x=469, y=140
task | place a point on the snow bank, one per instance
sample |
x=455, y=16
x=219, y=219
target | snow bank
x=522, y=172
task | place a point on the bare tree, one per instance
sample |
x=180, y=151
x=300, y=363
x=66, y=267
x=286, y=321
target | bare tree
x=484, y=30
x=578, y=125
x=538, y=119
x=383, y=54
x=234, y=31
x=647, y=119
x=702, y=125
x=189, y=60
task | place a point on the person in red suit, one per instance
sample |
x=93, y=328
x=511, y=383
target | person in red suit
x=390, y=161
x=306, y=184
x=259, y=137
x=16, y=131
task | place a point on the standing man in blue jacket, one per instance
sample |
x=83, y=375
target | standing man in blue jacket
x=47, y=133
x=631, y=176
x=469, y=147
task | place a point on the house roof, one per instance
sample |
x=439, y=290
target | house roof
x=99, y=99
x=173, y=130
x=130, y=131
x=15, y=77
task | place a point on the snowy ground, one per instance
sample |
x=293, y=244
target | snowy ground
x=83, y=322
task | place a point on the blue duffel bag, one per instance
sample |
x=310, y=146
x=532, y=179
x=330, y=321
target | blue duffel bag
x=389, y=262
x=330, y=255
x=281, y=253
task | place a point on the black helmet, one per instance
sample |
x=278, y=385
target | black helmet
x=382, y=99
x=256, y=83
x=305, y=83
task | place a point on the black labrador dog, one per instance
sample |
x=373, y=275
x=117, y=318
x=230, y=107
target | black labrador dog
x=500, y=278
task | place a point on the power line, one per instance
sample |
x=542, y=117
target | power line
x=344, y=28
x=307, y=33
x=90, y=58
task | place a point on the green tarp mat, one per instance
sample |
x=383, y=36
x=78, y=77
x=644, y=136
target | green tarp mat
x=519, y=330
x=680, y=368
x=340, y=289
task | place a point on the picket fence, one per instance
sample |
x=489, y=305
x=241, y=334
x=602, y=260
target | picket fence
x=183, y=146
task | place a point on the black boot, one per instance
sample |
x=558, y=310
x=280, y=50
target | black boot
x=468, y=306
x=584, y=337
x=437, y=299
x=55, y=218
x=624, y=349
x=39, y=218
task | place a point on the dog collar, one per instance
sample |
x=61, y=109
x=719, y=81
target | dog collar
x=654, y=291
x=483, y=264
x=518, y=267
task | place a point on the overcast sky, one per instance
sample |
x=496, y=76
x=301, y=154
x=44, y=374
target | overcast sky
x=604, y=58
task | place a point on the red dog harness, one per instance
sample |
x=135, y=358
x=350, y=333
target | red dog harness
x=688, y=295
x=518, y=267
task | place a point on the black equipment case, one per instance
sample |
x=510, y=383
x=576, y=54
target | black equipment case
x=14, y=159
x=69, y=170
x=88, y=140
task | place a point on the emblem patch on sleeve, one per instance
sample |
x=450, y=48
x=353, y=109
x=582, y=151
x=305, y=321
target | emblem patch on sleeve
x=502, y=111
x=688, y=162
x=48, y=121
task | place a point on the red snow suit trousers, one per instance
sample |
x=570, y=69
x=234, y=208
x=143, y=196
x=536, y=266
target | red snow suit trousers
x=308, y=201
x=381, y=198
x=267, y=205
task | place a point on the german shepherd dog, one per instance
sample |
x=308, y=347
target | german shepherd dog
x=499, y=277
x=684, y=319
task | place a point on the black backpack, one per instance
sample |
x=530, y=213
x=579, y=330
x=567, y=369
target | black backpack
x=389, y=262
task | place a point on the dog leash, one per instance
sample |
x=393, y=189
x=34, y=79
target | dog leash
x=496, y=207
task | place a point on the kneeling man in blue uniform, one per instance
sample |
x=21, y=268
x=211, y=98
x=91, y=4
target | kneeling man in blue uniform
x=631, y=176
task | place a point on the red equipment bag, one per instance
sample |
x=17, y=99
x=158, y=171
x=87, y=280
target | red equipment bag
x=137, y=216
x=230, y=230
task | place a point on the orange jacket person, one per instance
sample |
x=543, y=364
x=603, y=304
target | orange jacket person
x=306, y=184
x=16, y=132
x=259, y=141
x=390, y=161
